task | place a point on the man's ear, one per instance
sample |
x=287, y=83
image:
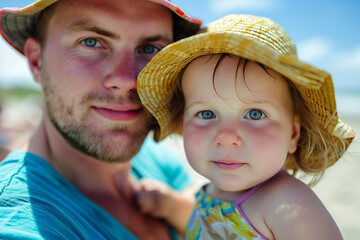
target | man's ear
x=32, y=51
x=296, y=130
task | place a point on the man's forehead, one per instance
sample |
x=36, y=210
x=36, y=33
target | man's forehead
x=110, y=10
x=87, y=25
x=125, y=6
x=102, y=16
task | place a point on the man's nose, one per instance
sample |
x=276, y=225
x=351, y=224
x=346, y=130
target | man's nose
x=227, y=137
x=123, y=73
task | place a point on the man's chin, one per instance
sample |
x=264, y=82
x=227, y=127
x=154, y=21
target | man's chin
x=115, y=148
x=118, y=153
x=112, y=145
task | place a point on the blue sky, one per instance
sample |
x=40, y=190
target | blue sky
x=326, y=33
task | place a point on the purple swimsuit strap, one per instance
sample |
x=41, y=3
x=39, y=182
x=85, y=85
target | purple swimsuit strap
x=252, y=190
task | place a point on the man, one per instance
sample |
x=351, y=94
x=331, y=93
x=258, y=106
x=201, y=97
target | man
x=73, y=179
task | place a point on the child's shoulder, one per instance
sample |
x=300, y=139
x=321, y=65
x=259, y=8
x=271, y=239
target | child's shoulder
x=287, y=193
x=289, y=203
x=286, y=187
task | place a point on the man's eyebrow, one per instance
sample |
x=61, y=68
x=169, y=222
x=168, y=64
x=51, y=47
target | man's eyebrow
x=155, y=38
x=86, y=26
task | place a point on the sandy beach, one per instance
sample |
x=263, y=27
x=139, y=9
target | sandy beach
x=339, y=189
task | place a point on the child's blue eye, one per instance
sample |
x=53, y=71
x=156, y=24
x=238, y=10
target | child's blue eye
x=90, y=42
x=255, y=114
x=207, y=114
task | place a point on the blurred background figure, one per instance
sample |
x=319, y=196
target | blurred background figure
x=18, y=119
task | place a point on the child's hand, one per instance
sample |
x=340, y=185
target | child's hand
x=161, y=201
x=155, y=198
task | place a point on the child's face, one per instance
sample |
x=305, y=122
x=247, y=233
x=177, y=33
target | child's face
x=237, y=138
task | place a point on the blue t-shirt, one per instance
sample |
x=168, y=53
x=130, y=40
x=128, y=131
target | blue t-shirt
x=36, y=202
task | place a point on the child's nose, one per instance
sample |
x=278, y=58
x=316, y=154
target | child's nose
x=227, y=138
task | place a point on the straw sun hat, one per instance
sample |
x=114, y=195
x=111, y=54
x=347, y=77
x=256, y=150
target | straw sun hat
x=18, y=24
x=255, y=38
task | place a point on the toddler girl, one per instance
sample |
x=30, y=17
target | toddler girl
x=252, y=115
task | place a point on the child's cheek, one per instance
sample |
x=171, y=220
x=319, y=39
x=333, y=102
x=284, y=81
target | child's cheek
x=196, y=140
x=269, y=139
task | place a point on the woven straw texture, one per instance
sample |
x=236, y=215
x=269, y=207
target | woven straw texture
x=254, y=38
x=17, y=24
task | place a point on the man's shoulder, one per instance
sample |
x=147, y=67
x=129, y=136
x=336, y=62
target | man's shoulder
x=11, y=169
x=36, y=202
x=3, y=153
x=160, y=156
x=163, y=162
x=159, y=151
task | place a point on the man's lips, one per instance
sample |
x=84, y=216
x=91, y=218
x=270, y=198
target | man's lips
x=119, y=112
x=228, y=164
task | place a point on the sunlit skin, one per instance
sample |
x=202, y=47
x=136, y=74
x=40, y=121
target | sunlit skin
x=88, y=68
x=238, y=134
x=92, y=64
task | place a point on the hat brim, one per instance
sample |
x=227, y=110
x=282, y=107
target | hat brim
x=160, y=76
x=18, y=24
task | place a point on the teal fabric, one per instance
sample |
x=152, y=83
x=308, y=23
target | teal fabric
x=172, y=171
x=36, y=202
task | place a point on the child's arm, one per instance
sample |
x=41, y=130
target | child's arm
x=159, y=200
x=295, y=212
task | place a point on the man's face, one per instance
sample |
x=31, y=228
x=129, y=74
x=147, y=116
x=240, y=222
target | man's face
x=93, y=54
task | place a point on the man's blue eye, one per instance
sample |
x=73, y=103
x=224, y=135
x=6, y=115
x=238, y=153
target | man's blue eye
x=90, y=42
x=255, y=114
x=149, y=49
x=206, y=114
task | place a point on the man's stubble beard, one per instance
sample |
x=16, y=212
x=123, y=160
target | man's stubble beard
x=85, y=138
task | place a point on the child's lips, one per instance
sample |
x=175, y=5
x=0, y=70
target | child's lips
x=228, y=164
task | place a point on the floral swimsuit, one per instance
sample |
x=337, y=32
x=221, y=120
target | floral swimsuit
x=216, y=219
